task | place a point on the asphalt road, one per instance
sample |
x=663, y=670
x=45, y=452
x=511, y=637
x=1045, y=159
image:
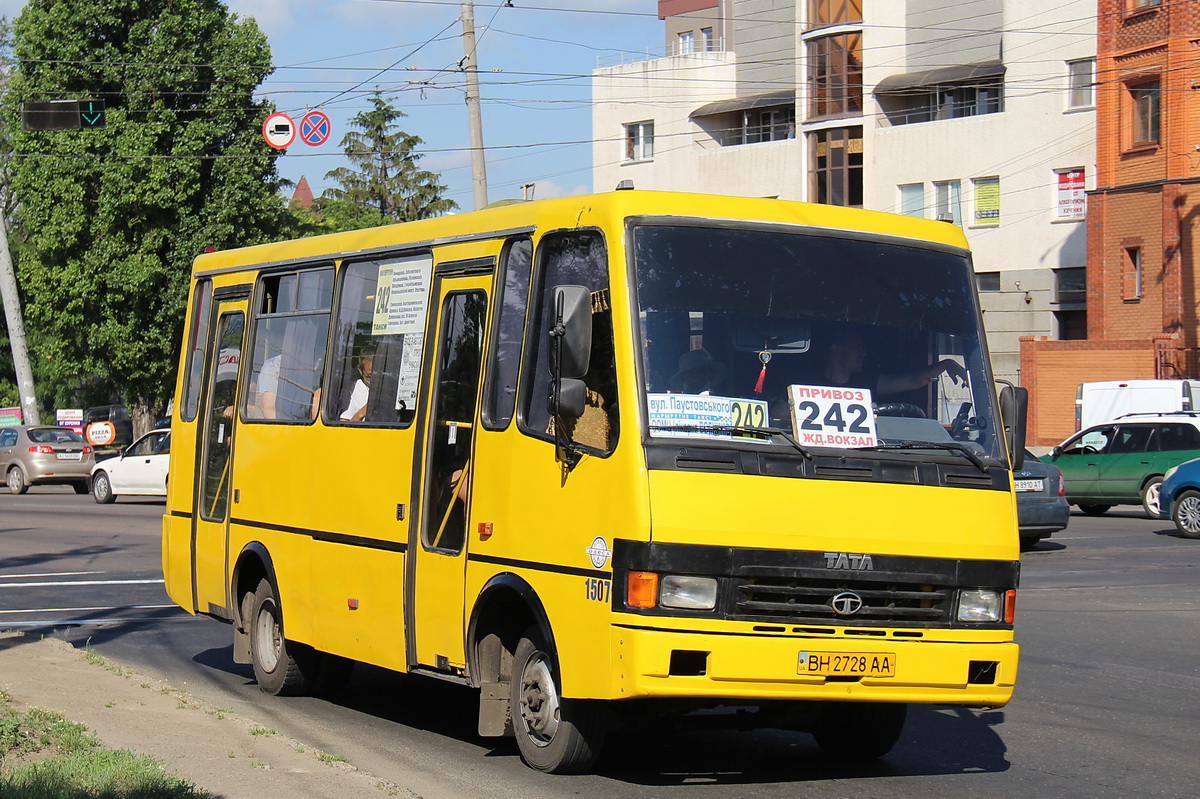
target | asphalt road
x=1107, y=703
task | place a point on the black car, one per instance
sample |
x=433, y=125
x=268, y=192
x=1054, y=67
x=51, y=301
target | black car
x=1042, y=506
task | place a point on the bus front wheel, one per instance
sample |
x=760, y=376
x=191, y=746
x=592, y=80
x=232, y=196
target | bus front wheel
x=555, y=735
x=277, y=668
x=859, y=731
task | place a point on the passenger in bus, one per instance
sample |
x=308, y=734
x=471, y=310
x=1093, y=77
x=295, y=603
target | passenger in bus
x=846, y=365
x=364, y=363
x=288, y=393
x=698, y=373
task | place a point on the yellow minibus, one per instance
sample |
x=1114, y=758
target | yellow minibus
x=606, y=458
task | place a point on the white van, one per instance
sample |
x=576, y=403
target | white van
x=1100, y=402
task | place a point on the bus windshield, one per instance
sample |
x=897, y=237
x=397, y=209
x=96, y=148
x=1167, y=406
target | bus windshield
x=845, y=343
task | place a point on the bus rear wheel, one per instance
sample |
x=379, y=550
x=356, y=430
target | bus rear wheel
x=859, y=731
x=281, y=667
x=555, y=735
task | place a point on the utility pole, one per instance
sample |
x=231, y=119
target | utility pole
x=16, y=331
x=474, y=119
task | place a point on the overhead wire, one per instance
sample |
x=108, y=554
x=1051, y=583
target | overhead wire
x=542, y=79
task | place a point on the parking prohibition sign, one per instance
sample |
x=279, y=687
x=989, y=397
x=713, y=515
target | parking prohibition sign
x=315, y=128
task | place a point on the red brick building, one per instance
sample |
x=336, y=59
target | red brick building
x=1143, y=292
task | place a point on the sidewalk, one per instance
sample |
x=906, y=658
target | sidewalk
x=213, y=749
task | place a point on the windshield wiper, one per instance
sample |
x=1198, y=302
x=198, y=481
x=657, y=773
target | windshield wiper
x=949, y=446
x=730, y=430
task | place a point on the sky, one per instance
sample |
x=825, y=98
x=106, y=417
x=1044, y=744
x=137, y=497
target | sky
x=535, y=60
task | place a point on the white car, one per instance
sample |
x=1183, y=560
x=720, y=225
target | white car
x=140, y=470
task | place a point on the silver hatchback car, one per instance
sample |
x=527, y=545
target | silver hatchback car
x=44, y=455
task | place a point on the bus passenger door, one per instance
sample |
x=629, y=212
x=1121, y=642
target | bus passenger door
x=450, y=404
x=218, y=414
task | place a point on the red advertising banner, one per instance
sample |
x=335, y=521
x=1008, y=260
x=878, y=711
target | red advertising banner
x=1072, y=194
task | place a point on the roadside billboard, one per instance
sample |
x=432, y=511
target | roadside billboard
x=70, y=417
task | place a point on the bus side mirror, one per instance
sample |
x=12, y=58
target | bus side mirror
x=572, y=394
x=571, y=332
x=1014, y=408
x=570, y=352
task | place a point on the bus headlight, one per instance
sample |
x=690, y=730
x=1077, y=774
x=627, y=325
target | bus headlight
x=980, y=605
x=692, y=593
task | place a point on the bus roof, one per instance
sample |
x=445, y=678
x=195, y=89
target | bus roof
x=581, y=211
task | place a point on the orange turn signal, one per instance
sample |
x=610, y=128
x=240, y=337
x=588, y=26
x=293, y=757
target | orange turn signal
x=1010, y=605
x=643, y=590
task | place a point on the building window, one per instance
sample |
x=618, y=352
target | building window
x=834, y=12
x=835, y=75
x=987, y=201
x=1072, y=325
x=1070, y=285
x=837, y=157
x=912, y=199
x=769, y=124
x=1132, y=274
x=1081, y=84
x=947, y=195
x=1144, y=113
x=984, y=95
x=987, y=281
x=970, y=100
x=1071, y=199
x=708, y=42
x=639, y=141
x=1135, y=5
x=687, y=42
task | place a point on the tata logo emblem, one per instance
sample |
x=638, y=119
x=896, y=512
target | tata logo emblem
x=846, y=603
x=848, y=561
x=598, y=552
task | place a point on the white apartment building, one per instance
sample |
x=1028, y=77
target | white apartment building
x=980, y=112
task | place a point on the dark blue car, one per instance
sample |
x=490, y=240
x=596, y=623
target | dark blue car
x=1041, y=500
x=1179, y=497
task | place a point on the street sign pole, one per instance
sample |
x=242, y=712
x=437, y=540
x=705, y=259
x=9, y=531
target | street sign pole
x=16, y=331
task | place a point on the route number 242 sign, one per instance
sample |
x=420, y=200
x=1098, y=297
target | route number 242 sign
x=832, y=416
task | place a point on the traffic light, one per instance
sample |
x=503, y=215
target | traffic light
x=62, y=115
x=91, y=113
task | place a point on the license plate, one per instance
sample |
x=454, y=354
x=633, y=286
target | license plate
x=69, y=456
x=1030, y=485
x=847, y=664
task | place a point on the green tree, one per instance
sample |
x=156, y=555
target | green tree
x=107, y=221
x=384, y=181
x=327, y=215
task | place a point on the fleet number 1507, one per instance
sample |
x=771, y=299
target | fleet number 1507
x=596, y=589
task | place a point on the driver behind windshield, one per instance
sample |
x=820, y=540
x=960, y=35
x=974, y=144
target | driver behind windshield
x=845, y=367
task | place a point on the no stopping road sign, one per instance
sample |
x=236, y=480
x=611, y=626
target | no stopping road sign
x=315, y=128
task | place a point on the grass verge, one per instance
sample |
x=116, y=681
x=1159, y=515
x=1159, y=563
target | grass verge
x=45, y=756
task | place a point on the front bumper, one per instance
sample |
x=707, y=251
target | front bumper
x=764, y=667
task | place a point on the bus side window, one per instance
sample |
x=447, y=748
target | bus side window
x=197, y=341
x=290, y=333
x=365, y=377
x=500, y=386
x=577, y=258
